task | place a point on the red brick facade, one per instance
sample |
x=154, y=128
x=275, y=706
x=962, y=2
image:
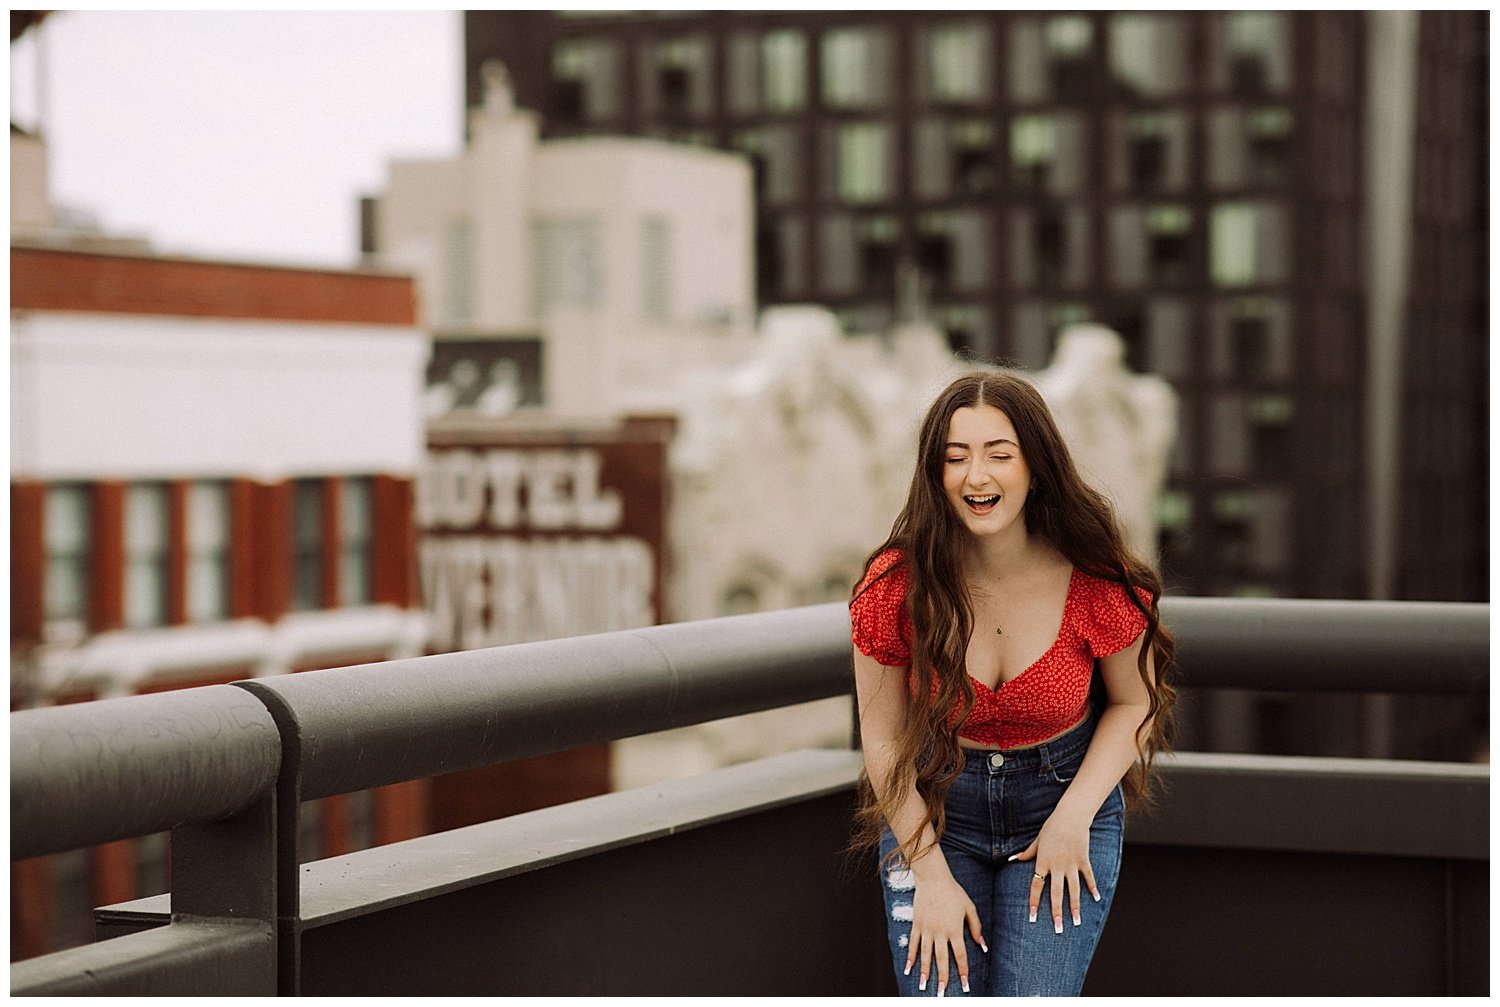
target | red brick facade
x=59, y=280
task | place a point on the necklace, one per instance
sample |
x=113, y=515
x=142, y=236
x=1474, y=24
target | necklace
x=999, y=631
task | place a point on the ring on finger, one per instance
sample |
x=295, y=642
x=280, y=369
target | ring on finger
x=1039, y=877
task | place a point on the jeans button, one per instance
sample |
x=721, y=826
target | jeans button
x=997, y=760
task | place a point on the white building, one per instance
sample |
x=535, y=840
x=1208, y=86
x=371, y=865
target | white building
x=621, y=256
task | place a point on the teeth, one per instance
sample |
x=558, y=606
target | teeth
x=983, y=501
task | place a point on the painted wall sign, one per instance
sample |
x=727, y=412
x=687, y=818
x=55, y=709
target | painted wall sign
x=531, y=538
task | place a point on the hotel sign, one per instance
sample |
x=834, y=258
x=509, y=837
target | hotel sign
x=527, y=536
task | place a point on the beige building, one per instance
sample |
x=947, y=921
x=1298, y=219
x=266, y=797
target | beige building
x=622, y=258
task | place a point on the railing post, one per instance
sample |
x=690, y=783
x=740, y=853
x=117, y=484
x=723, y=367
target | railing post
x=199, y=762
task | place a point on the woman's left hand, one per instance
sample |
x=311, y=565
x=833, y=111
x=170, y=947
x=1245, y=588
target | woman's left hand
x=1060, y=851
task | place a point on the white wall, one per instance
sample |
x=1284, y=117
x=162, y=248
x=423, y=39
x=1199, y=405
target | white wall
x=114, y=396
x=703, y=195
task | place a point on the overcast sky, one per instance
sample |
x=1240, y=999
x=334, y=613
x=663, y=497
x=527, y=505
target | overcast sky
x=238, y=135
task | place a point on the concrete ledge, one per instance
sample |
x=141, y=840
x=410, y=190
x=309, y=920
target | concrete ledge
x=371, y=880
x=190, y=957
x=1428, y=810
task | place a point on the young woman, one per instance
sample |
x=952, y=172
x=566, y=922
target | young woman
x=997, y=790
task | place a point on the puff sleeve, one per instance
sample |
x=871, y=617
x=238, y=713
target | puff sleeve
x=1114, y=623
x=882, y=628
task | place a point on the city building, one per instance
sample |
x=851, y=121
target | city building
x=212, y=469
x=570, y=275
x=1281, y=212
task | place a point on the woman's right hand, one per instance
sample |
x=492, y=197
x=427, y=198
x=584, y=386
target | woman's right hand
x=940, y=910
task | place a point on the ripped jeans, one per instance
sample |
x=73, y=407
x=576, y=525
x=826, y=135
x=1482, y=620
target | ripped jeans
x=994, y=810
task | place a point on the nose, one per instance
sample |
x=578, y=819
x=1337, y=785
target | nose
x=975, y=476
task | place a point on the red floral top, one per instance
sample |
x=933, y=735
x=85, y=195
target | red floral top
x=1046, y=698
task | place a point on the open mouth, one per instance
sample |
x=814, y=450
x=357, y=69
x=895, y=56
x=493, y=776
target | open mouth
x=982, y=504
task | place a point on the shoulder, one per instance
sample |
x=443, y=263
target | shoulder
x=878, y=609
x=1109, y=620
x=887, y=567
x=884, y=584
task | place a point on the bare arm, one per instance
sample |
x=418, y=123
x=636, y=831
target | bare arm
x=1062, y=848
x=940, y=905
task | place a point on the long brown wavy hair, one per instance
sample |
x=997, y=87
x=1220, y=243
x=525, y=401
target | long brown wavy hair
x=1068, y=514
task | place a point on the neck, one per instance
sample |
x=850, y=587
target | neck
x=999, y=557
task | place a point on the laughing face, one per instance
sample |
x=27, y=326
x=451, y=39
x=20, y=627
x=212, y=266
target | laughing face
x=984, y=474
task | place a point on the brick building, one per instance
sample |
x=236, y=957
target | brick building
x=212, y=469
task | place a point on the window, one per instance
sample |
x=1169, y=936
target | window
x=1049, y=246
x=1168, y=252
x=1046, y=153
x=676, y=79
x=955, y=63
x=862, y=165
x=1251, y=339
x=953, y=158
x=308, y=508
x=146, y=557
x=656, y=269
x=1051, y=58
x=458, y=274
x=767, y=73
x=742, y=74
x=1252, y=530
x=784, y=66
x=776, y=161
x=586, y=80
x=1147, y=54
x=1271, y=435
x=858, y=255
x=1150, y=152
x=953, y=250
x=781, y=258
x=569, y=270
x=1168, y=331
x=1249, y=52
x=68, y=538
x=1269, y=141
x=1249, y=244
x=207, y=552
x=1151, y=245
x=1250, y=149
x=356, y=540
x=856, y=68
x=876, y=238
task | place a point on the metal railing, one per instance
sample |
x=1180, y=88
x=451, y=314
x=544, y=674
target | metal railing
x=227, y=767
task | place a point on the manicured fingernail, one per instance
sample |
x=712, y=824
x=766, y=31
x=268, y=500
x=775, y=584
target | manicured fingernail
x=908, y=969
x=1096, y=896
x=942, y=986
x=923, y=985
x=1011, y=857
x=984, y=947
x=1077, y=922
x=1033, y=916
x=965, y=981
x=1057, y=924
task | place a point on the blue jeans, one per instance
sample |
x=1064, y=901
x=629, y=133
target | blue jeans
x=995, y=809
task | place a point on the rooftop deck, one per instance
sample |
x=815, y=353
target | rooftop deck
x=1254, y=875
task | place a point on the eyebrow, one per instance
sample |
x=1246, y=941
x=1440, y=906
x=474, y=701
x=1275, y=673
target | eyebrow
x=987, y=444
